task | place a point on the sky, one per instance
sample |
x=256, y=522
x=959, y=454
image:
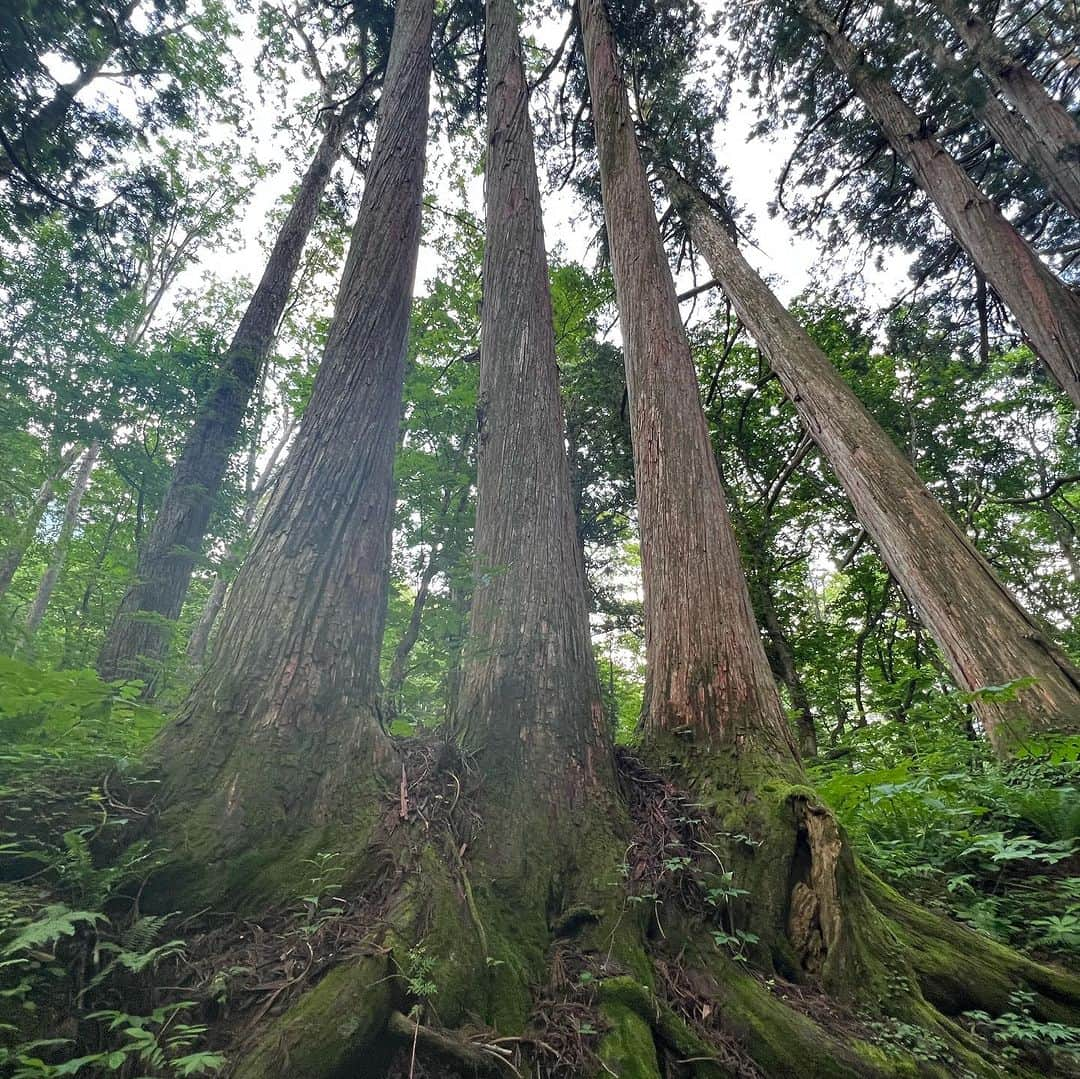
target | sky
x=792, y=263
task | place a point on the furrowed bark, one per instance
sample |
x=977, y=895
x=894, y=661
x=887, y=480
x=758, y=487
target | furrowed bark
x=987, y=638
x=13, y=555
x=1051, y=131
x=530, y=699
x=708, y=673
x=47, y=585
x=139, y=637
x=282, y=729
x=1046, y=311
x=254, y=492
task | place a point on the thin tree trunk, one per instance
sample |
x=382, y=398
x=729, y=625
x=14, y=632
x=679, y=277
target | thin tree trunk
x=12, y=557
x=985, y=635
x=1011, y=130
x=282, y=729
x=1055, y=134
x=781, y=658
x=138, y=640
x=63, y=541
x=707, y=670
x=1047, y=311
x=200, y=635
x=530, y=698
x=395, y=677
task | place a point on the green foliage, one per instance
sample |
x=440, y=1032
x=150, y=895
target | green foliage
x=1017, y=1030
x=996, y=844
x=419, y=968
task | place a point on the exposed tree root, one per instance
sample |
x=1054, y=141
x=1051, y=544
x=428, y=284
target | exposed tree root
x=618, y=973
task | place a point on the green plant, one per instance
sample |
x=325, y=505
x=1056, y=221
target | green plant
x=1018, y=1029
x=933, y=812
x=418, y=974
x=320, y=904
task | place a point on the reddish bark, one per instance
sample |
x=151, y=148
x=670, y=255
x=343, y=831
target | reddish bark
x=707, y=670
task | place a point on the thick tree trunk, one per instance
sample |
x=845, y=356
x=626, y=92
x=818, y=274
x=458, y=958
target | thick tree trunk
x=1047, y=311
x=530, y=698
x=985, y=635
x=707, y=670
x=139, y=637
x=45, y=589
x=13, y=554
x=282, y=728
x=468, y=927
x=1051, y=132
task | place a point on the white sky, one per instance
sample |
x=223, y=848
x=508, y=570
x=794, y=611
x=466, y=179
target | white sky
x=792, y=263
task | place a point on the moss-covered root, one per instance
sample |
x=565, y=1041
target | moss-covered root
x=764, y=1035
x=333, y=1027
x=959, y=970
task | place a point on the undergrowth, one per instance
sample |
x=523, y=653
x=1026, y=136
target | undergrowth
x=995, y=844
x=90, y=985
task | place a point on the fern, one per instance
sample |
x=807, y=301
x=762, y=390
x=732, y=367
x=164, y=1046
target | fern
x=56, y=921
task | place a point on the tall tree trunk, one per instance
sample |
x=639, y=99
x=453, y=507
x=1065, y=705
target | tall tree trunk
x=1009, y=128
x=530, y=699
x=63, y=541
x=282, y=728
x=1052, y=129
x=1047, y=311
x=707, y=670
x=138, y=640
x=13, y=554
x=987, y=638
x=714, y=715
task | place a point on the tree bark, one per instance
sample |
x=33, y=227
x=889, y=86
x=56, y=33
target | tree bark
x=12, y=557
x=200, y=635
x=986, y=636
x=45, y=589
x=138, y=640
x=707, y=670
x=1052, y=132
x=1011, y=130
x=282, y=728
x=530, y=698
x=1046, y=311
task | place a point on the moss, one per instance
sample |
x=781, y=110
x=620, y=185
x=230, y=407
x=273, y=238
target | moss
x=203, y=869
x=882, y=1061
x=959, y=970
x=330, y=1029
x=627, y=1048
x=670, y=1028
